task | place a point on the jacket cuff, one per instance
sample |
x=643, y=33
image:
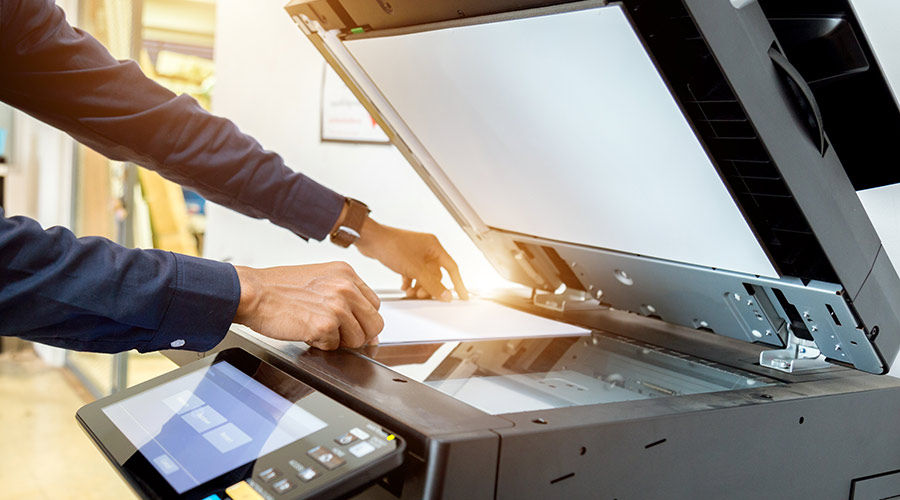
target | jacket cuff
x=202, y=307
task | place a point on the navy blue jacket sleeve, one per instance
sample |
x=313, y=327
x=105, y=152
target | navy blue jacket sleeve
x=91, y=294
x=88, y=293
x=66, y=78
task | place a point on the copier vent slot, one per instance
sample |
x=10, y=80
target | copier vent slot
x=562, y=478
x=655, y=443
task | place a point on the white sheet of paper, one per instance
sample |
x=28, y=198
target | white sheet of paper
x=415, y=321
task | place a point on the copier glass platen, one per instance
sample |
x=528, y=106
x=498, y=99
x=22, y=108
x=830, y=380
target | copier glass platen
x=677, y=176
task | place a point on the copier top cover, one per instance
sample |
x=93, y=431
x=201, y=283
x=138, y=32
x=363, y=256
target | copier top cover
x=667, y=158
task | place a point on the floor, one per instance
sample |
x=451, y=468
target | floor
x=44, y=454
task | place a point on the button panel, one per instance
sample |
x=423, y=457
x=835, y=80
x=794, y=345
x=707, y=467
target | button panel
x=270, y=483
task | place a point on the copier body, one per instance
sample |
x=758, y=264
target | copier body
x=672, y=395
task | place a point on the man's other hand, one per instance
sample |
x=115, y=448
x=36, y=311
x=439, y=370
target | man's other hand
x=324, y=305
x=417, y=257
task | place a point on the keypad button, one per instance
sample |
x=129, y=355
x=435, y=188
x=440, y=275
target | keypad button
x=308, y=474
x=361, y=434
x=361, y=449
x=242, y=491
x=282, y=486
x=346, y=439
x=269, y=474
x=326, y=457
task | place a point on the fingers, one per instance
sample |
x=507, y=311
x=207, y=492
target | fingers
x=367, y=292
x=358, y=317
x=421, y=288
x=407, y=287
x=370, y=321
x=430, y=281
x=450, y=265
x=352, y=305
x=326, y=333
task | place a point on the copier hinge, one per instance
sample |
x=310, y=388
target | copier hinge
x=563, y=299
x=799, y=355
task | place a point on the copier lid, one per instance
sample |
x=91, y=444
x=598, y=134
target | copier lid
x=545, y=131
x=662, y=156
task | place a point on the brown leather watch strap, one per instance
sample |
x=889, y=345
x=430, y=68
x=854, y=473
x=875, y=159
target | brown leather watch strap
x=348, y=231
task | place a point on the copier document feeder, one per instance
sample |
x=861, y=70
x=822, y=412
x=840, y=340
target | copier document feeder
x=680, y=178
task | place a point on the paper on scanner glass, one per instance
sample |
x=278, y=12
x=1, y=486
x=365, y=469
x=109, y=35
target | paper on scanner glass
x=686, y=180
x=416, y=321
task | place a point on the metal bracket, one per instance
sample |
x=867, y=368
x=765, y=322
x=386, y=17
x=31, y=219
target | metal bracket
x=799, y=356
x=566, y=300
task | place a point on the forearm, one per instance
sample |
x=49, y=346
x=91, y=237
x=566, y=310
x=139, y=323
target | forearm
x=90, y=294
x=66, y=78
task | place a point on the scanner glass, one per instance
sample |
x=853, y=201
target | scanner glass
x=508, y=376
x=560, y=126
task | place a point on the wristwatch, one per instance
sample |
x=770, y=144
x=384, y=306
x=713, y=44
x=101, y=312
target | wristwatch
x=348, y=232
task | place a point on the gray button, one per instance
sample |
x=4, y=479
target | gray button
x=361, y=449
x=165, y=464
x=283, y=486
x=346, y=439
x=326, y=457
x=308, y=474
x=269, y=474
x=227, y=437
x=203, y=419
x=183, y=401
x=177, y=343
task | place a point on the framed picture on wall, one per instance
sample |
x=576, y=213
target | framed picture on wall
x=344, y=119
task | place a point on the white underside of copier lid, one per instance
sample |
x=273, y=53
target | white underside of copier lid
x=560, y=127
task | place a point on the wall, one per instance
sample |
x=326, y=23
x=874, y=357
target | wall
x=269, y=80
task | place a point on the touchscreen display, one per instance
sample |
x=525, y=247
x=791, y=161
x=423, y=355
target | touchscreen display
x=208, y=422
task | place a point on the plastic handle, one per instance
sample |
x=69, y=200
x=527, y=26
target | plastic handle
x=804, y=94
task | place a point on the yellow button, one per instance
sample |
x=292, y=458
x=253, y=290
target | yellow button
x=243, y=491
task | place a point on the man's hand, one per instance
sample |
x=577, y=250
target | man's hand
x=324, y=305
x=417, y=257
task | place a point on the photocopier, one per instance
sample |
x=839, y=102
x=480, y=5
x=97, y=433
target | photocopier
x=679, y=177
